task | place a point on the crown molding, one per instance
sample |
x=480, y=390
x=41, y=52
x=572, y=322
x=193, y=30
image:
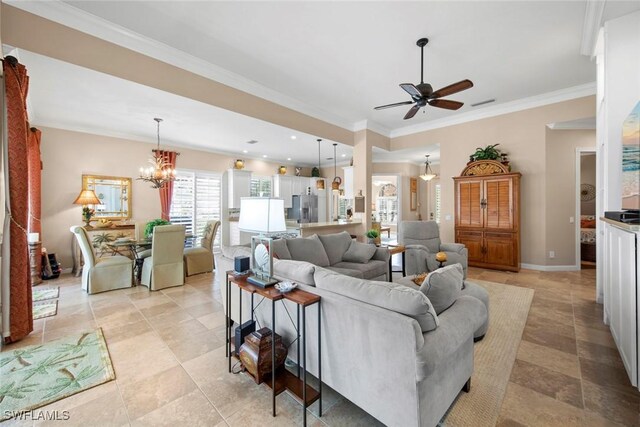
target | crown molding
x=70, y=16
x=594, y=11
x=500, y=109
x=372, y=126
x=569, y=126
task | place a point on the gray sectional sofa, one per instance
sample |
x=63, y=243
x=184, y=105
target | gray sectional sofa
x=385, y=346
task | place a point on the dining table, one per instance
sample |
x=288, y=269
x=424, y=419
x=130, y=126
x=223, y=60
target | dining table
x=136, y=247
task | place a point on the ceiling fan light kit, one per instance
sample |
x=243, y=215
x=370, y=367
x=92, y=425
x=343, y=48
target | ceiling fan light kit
x=423, y=94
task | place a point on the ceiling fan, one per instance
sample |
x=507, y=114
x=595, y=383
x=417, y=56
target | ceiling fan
x=424, y=94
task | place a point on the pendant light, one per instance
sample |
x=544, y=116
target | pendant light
x=335, y=184
x=319, y=181
x=428, y=174
x=160, y=172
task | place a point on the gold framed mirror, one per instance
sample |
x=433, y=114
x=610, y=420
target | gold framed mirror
x=413, y=193
x=115, y=194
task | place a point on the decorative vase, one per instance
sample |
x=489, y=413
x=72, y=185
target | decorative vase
x=255, y=354
x=239, y=164
x=282, y=170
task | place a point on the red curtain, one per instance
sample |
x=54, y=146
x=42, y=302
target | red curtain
x=35, y=186
x=20, y=300
x=166, y=192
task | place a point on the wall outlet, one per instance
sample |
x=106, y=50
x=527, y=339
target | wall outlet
x=552, y=254
x=571, y=220
x=447, y=217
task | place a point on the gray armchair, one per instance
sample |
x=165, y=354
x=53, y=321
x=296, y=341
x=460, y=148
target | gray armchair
x=422, y=242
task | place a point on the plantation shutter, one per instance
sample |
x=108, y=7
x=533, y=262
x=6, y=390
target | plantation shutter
x=438, y=203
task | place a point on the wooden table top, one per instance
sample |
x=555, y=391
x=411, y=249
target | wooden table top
x=396, y=249
x=297, y=296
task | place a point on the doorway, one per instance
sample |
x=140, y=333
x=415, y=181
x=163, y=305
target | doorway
x=586, y=236
x=385, y=195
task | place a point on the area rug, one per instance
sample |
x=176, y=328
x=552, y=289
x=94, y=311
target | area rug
x=493, y=358
x=44, y=293
x=43, y=309
x=37, y=375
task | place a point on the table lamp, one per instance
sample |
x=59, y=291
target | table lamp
x=87, y=197
x=262, y=215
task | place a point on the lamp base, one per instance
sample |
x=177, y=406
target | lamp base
x=262, y=282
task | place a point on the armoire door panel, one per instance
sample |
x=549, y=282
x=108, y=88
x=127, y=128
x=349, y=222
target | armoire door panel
x=498, y=197
x=499, y=250
x=469, y=212
x=473, y=243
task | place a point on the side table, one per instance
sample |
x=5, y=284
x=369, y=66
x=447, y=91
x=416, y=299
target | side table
x=394, y=250
x=282, y=380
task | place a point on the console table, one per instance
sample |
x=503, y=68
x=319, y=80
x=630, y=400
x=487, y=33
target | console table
x=282, y=380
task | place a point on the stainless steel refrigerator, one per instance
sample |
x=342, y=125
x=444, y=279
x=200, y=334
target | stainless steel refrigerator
x=304, y=208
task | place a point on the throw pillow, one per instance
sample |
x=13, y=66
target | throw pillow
x=443, y=286
x=335, y=245
x=280, y=250
x=308, y=249
x=359, y=252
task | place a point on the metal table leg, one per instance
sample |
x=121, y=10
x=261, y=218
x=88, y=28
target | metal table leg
x=319, y=361
x=304, y=370
x=298, y=340
x=273, y=355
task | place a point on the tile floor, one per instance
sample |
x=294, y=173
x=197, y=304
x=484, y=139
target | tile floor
x=167, y=349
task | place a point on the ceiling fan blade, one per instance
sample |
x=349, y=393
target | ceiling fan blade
x=451, y=89
x=446, y=104
x=411, y=90
x=412, y=112
x=397, y=104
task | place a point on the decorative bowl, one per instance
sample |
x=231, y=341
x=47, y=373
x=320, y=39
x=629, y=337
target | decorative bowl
x=285, y=287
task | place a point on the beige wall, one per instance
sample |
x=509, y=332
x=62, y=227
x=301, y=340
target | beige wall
x=560, y=187
x=522, y=135
x=588, y=176
x=67, y=155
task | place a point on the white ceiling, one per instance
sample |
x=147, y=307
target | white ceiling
x=333, y=60
x=67, y=96
x=347, y=57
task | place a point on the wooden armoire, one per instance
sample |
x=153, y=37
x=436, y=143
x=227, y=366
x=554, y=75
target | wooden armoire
x=487, y=214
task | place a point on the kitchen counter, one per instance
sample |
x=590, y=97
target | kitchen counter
x=622, y=225
x=307, y=229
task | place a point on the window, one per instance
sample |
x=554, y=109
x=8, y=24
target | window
x=196, y=200
x=260, y=187
x=343, y=204
x=438, y=204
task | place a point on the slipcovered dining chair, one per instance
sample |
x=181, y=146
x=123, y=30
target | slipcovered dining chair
x=139, y=235
x=165, y=267
x=422, y=242
x=102, y=274
x=200, y=260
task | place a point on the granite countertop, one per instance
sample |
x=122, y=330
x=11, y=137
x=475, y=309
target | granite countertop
x=622, y=225
x=341, y=223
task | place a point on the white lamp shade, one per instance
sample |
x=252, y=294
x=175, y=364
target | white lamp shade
x=262, y=215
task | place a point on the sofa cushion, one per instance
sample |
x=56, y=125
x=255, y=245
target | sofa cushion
x=346, y=271
x=390, y=296
x=359, y=252
x=370, y=270
x=296, y=271
x=308, y=249
x=280, y=249
x=443, y=286
x=335, y=245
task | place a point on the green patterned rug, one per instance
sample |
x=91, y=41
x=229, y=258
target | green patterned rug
x=45, y=309
x=43, y=293
x=37, y=375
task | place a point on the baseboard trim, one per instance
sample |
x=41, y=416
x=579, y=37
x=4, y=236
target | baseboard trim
x=550, y=267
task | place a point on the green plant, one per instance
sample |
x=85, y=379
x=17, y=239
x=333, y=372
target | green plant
x=148, y=230
x=315, y=172
x=372, y=234
x=490, y=152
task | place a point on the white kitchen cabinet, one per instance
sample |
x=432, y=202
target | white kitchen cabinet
x=283, y=188
x=238, y=186
x=621, y=299
x=300, y=184
x=347, y=183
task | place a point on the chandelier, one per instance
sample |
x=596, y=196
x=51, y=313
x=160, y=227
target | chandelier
x=160, y=172
x=428, y=174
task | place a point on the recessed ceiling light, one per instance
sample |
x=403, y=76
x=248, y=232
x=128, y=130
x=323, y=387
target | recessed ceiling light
x=245, y=151
x=293, y=137
x=264, y=155
x=344, y=155
x=289, y=159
